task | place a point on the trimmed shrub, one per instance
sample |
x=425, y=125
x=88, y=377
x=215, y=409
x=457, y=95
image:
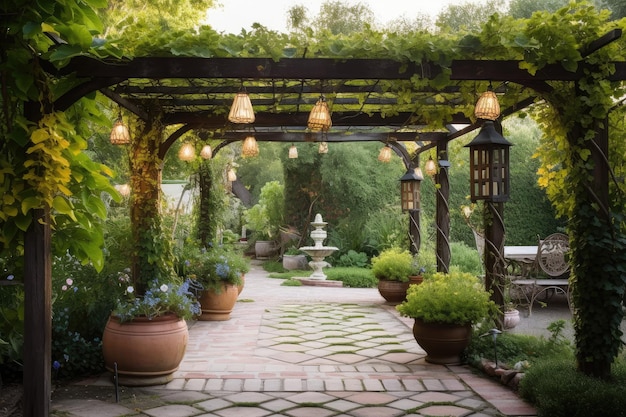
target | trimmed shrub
x=352, y=277
x=557, y=390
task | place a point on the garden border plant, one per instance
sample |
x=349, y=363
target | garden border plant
x=51, y=147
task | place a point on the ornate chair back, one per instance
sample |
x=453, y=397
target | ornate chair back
x=552, y=255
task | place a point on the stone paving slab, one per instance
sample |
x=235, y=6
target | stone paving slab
x=311, y=351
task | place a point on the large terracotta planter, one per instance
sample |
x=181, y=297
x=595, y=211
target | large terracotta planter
x=217, y=306
x=393, y=291
x=442, y=342
x=146, y=352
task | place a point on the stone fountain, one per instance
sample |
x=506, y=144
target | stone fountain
x=318, y=251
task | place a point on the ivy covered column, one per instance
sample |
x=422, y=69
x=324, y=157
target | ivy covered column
x=598, y=246
x=152, y=252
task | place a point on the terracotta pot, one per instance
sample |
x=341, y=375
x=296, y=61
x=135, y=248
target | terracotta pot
x=511, y=318
x=218, y=306
x=442, y=342
x=393, y=291
x=416, y=279
x=147, y=352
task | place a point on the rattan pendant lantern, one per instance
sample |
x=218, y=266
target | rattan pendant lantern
x=250, y=147
x=241, y=110
x=319, y=118
x=119, y=133
x=487, y=107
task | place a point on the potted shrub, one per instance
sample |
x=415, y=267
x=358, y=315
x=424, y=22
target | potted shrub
x=445, y=306
x=294, y=259
x=416, y=275
x=392, y=268
x=218, y=273
x=146, y=335
x=265, y=219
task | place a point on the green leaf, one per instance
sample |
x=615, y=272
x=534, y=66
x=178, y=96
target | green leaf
x=63, y=206
x=30, y=203
x=31, y=29
x=569, y=65
x=64, y=52
x=95, y=206
x=23, y=221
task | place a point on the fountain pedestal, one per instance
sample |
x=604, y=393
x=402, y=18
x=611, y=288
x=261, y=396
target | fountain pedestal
x=318, y=252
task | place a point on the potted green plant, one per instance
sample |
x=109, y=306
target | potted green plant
x=293, y=259
x=218, y=272
x=392, y=268
x=445, y=306
x=265, y=219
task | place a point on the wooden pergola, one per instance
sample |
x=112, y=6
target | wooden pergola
x=195, y=94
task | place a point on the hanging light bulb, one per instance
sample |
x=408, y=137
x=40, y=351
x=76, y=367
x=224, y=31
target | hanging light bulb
x=430, y=167
x=230, y=174
x=123, y=189
x=293, y=152
x=385, y=154
x=206, y=152
x=250, y=147
x=323, y=148
x=487, y=106
x=319, y=118
x=187, y=152
x=119, y=133
x=241, y=110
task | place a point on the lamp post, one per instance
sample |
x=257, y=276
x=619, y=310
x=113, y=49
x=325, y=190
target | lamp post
x=410, y=202
x=489, y=181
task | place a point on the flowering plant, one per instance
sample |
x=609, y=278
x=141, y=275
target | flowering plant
x=159, y=299
x=212, y=268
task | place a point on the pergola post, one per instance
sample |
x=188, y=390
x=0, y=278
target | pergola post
x=490, y=182
x=37, y=316
x=37, y=306
x=443, y=208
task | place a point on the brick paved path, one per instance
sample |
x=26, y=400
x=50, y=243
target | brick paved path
x=312, y=351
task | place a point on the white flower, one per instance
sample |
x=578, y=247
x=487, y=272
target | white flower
x=130, y=289
x=163, y=288
x=69, y=281
x=64, y=288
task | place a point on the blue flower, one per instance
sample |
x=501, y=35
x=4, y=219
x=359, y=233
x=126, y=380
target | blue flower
x=56, y=365
x=222, y=270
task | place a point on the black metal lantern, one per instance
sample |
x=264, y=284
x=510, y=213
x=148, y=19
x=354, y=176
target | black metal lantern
x=410, y=190
x=489, y=165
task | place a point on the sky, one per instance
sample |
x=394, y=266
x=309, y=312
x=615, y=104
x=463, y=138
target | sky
x=234, y=15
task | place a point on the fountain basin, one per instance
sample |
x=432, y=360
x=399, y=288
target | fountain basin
x=316, y=252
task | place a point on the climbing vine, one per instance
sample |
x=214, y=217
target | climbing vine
x=572, y=114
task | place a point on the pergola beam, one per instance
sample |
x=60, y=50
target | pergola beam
x=315, y=69
x=208, y=120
